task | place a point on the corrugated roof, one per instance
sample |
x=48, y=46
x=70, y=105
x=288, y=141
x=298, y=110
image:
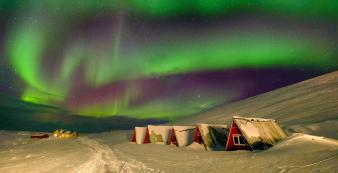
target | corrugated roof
x=213, y=135
x=260, y=133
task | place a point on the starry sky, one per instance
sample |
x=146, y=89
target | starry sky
x=162, y=59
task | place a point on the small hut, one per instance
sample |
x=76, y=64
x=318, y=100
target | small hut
x=140, y=135
x=253, y=134
x=159, y=134
x=212, y=136
x=182, y=135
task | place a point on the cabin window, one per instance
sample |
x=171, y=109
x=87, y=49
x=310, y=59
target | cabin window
x=239, y=140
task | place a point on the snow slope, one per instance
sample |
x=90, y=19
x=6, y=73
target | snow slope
x=19, y=153
x=111, y=152
x=299, y=153
x=309, y=107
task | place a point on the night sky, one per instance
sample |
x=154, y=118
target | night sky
x=162, y=59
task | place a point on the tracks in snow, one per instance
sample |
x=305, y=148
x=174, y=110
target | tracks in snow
x=103, y=160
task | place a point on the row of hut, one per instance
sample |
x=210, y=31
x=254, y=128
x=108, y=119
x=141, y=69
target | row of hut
x=243, y=134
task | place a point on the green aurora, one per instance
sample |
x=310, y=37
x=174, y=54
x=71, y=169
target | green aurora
x=41, y=28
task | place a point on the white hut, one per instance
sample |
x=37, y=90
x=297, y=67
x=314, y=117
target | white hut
x=182, y=135
x=141, y=135
x=159, y=134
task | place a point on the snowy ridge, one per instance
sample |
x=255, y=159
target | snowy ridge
x=308, y=107
x=103, y=160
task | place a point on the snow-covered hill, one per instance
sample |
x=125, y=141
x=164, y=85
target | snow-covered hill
x=309, y=107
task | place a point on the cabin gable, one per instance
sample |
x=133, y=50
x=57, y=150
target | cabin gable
x=198, y=136
x=146, y=138
x=236, y=140
x=172, y=138
x=133, y=138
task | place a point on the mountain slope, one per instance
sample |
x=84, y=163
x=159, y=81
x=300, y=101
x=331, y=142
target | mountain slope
x=310, y=107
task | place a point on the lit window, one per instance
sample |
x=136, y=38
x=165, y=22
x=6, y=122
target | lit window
x=239, y=140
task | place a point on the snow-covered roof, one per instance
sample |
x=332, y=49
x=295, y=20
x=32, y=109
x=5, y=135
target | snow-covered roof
x=260, y=133
x=253, y=119
x=213, y=125
x=183, y=128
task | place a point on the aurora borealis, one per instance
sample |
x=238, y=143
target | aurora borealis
x=160, y=58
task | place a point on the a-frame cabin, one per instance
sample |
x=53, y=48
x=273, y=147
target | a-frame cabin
x=211, y=136
x=181, y=135
x=236, y=140
x=253, y=134
x=140, y=135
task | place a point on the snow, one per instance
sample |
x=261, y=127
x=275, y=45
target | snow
x=298, y=153
x=22, y=154
x=19, y=153
x=196, y=146
x=254, y=132
x=111, y=152
x=104, y=160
